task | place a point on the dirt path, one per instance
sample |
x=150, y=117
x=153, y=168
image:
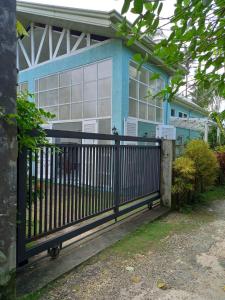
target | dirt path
x=189, y=260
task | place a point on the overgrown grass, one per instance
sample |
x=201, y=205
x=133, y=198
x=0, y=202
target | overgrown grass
x=204, y=199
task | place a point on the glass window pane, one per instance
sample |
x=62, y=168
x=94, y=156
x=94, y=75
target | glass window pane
x=133, y=72
x=48, y=83
x=64, y=112
x=36, y=99
x=159, y=115
x=151, y=113
x=77, y=76
x=76, y=111
x=90, y=91
x=90, y=72
x=64, y=95
x=104, y=126
x=65, y=78
x=104, y=88
x=133, y=89
x=48, y=98
x=144, y=92
x=77, y=93
x=36, y=86
x=90, y=109
x=143, y=111
x=105, y=69
x=133, y=108
x=159, y=101
x=104, y=108
x=144, y=75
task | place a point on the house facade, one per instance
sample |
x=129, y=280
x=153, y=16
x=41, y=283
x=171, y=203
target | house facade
x=79, y=69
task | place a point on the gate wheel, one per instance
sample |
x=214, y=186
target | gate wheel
x=54, y=252
x=150, y=205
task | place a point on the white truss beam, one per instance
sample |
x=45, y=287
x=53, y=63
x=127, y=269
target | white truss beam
x=59, y=43
x=41, y=44
x=68, y=41
x=88, y=40
x=32, y=43
x=32, y=56
x=17, y=57
x=50, y=42
x=76, y=45
x=24, y=52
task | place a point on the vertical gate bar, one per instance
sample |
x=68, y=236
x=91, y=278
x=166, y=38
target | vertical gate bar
x=86, y=181
x=51, y=189
x=46, y=190
x=93, y=182
x=132, y=172
x=83, y=181
x=97, y=180
x=117, y=177
x=41, y=191
x=80, y=177
x=101, y=178
x=127, y=173
x=21, y=206
x=30, y=194
x=64, y=185
x=72, y=187
x=60, y=187
x=107, y=176
x=35, y=190
x=76, y=181
x=56, y=188
x=90, y=180
x=110, y=176
x=68, y=183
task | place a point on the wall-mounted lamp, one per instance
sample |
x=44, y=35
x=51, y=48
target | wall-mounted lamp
x=114, y=130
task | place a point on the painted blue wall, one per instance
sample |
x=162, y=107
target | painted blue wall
x=111, y=49
x=120, y=55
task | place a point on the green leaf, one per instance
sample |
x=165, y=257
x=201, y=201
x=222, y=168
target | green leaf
x=20, y=29
x=138, y=58
x=126, y=6
x=138, y=6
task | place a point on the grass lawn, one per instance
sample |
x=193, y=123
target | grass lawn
x=151, y=235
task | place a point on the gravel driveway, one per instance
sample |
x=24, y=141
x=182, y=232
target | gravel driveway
x=189, y=264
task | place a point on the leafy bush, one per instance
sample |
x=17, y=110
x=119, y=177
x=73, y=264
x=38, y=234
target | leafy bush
x=183, y=179
x=28, y=118
x=220, y=155
x=205, y=164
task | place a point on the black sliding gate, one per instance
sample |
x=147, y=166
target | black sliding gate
x=65, y=189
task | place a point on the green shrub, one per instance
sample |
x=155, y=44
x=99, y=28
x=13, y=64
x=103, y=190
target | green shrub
x=205, y=164
x=220, y=155
x=183, y=179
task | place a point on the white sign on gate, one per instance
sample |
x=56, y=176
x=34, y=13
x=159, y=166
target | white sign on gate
x=167, y=132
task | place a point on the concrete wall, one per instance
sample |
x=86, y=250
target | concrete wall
x=8, y=151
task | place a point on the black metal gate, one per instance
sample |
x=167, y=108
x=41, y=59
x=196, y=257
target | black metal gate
x=61, y=185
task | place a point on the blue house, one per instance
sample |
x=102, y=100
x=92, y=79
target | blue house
x=80, y=70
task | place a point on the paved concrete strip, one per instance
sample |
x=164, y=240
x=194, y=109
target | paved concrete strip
x=38, y=273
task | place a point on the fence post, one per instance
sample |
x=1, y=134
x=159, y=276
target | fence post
x=167, y=156
x=117, y=177
x=21, y=207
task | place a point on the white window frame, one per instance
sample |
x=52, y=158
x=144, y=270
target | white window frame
x=140, y=101
x=71, y=85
